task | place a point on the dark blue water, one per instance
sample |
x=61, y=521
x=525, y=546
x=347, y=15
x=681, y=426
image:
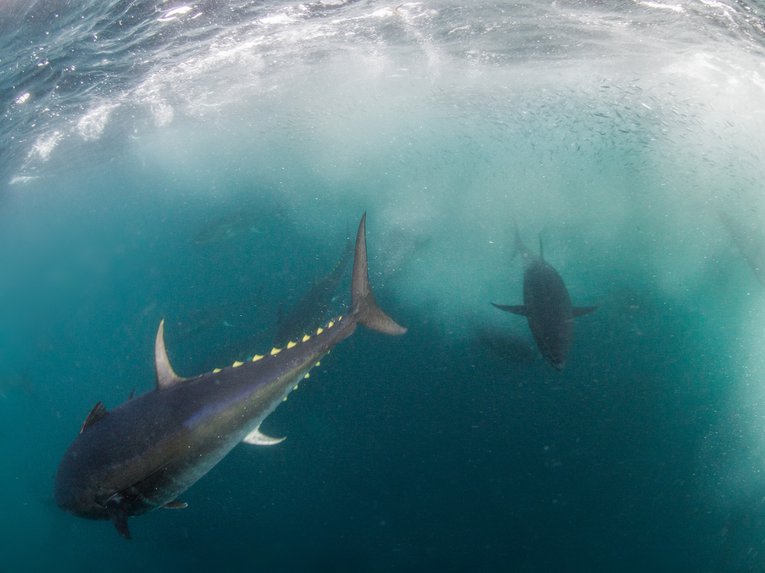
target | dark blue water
x=203, y=163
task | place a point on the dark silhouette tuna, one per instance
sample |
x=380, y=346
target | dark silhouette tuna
x=546, y=305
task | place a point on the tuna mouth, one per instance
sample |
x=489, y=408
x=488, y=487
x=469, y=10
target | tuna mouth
x=94, y=511
x=80, y=505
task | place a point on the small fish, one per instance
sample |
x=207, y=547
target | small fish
x=244, y=221
x=15, y=384
x=749, y=240
x=506, y=345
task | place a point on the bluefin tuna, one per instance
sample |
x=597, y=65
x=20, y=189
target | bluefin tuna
x=546, y=305
x=145, y=453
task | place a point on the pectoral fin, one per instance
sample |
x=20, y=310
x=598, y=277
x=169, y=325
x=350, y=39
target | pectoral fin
x=515, y=309
x=118, y=515
x=120, y=522
x=258, y=438
x=582, y=310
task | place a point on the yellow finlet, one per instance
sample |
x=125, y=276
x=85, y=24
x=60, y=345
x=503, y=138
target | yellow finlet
x=319, y=330
x=317, y=364
x=330, y=324
x=296, y=387
x=257, y=357
x=339, y=318
x=307, y=376
x=216, y=370
x=305, y=338
x=237, y=364
x=291, y=344
x=275, y=351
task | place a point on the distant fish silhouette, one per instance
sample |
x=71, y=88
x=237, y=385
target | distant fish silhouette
x=15, y=384
x=196, y=321
x=546, y=305
x=750, y=241
x=506, y=345
x=225, y=228
x=244, y=221
x=314, y=306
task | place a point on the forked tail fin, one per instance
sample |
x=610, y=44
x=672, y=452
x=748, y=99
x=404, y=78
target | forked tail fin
x=363, y=304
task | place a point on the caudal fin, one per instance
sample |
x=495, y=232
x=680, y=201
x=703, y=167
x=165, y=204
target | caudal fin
x=363, y=305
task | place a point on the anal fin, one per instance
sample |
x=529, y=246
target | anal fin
x=258, y=438
x=176, y=504
x=119, y=516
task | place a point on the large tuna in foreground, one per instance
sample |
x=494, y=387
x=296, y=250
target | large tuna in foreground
x=148, y=451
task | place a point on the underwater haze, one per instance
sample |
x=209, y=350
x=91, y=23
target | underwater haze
x=205, y=162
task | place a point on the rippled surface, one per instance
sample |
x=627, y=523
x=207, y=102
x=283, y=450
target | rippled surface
x=68, y=70
x=203, y=162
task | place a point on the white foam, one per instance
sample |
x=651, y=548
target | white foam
x=660, y=6
x=44, y=145
x=91, y=125
x=175, y=13
x=278, y=20
x=22, y=179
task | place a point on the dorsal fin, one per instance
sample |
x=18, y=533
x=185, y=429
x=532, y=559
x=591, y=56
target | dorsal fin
x=98, y=412
x=166, y=376
x=519, y=248
x=541, y=251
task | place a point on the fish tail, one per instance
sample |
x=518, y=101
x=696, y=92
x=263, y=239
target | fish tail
x=364, y=306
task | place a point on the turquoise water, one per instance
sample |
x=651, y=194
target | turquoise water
x=204, y=163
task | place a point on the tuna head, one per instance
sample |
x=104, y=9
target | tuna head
x=84, y=498
x=87, y=487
